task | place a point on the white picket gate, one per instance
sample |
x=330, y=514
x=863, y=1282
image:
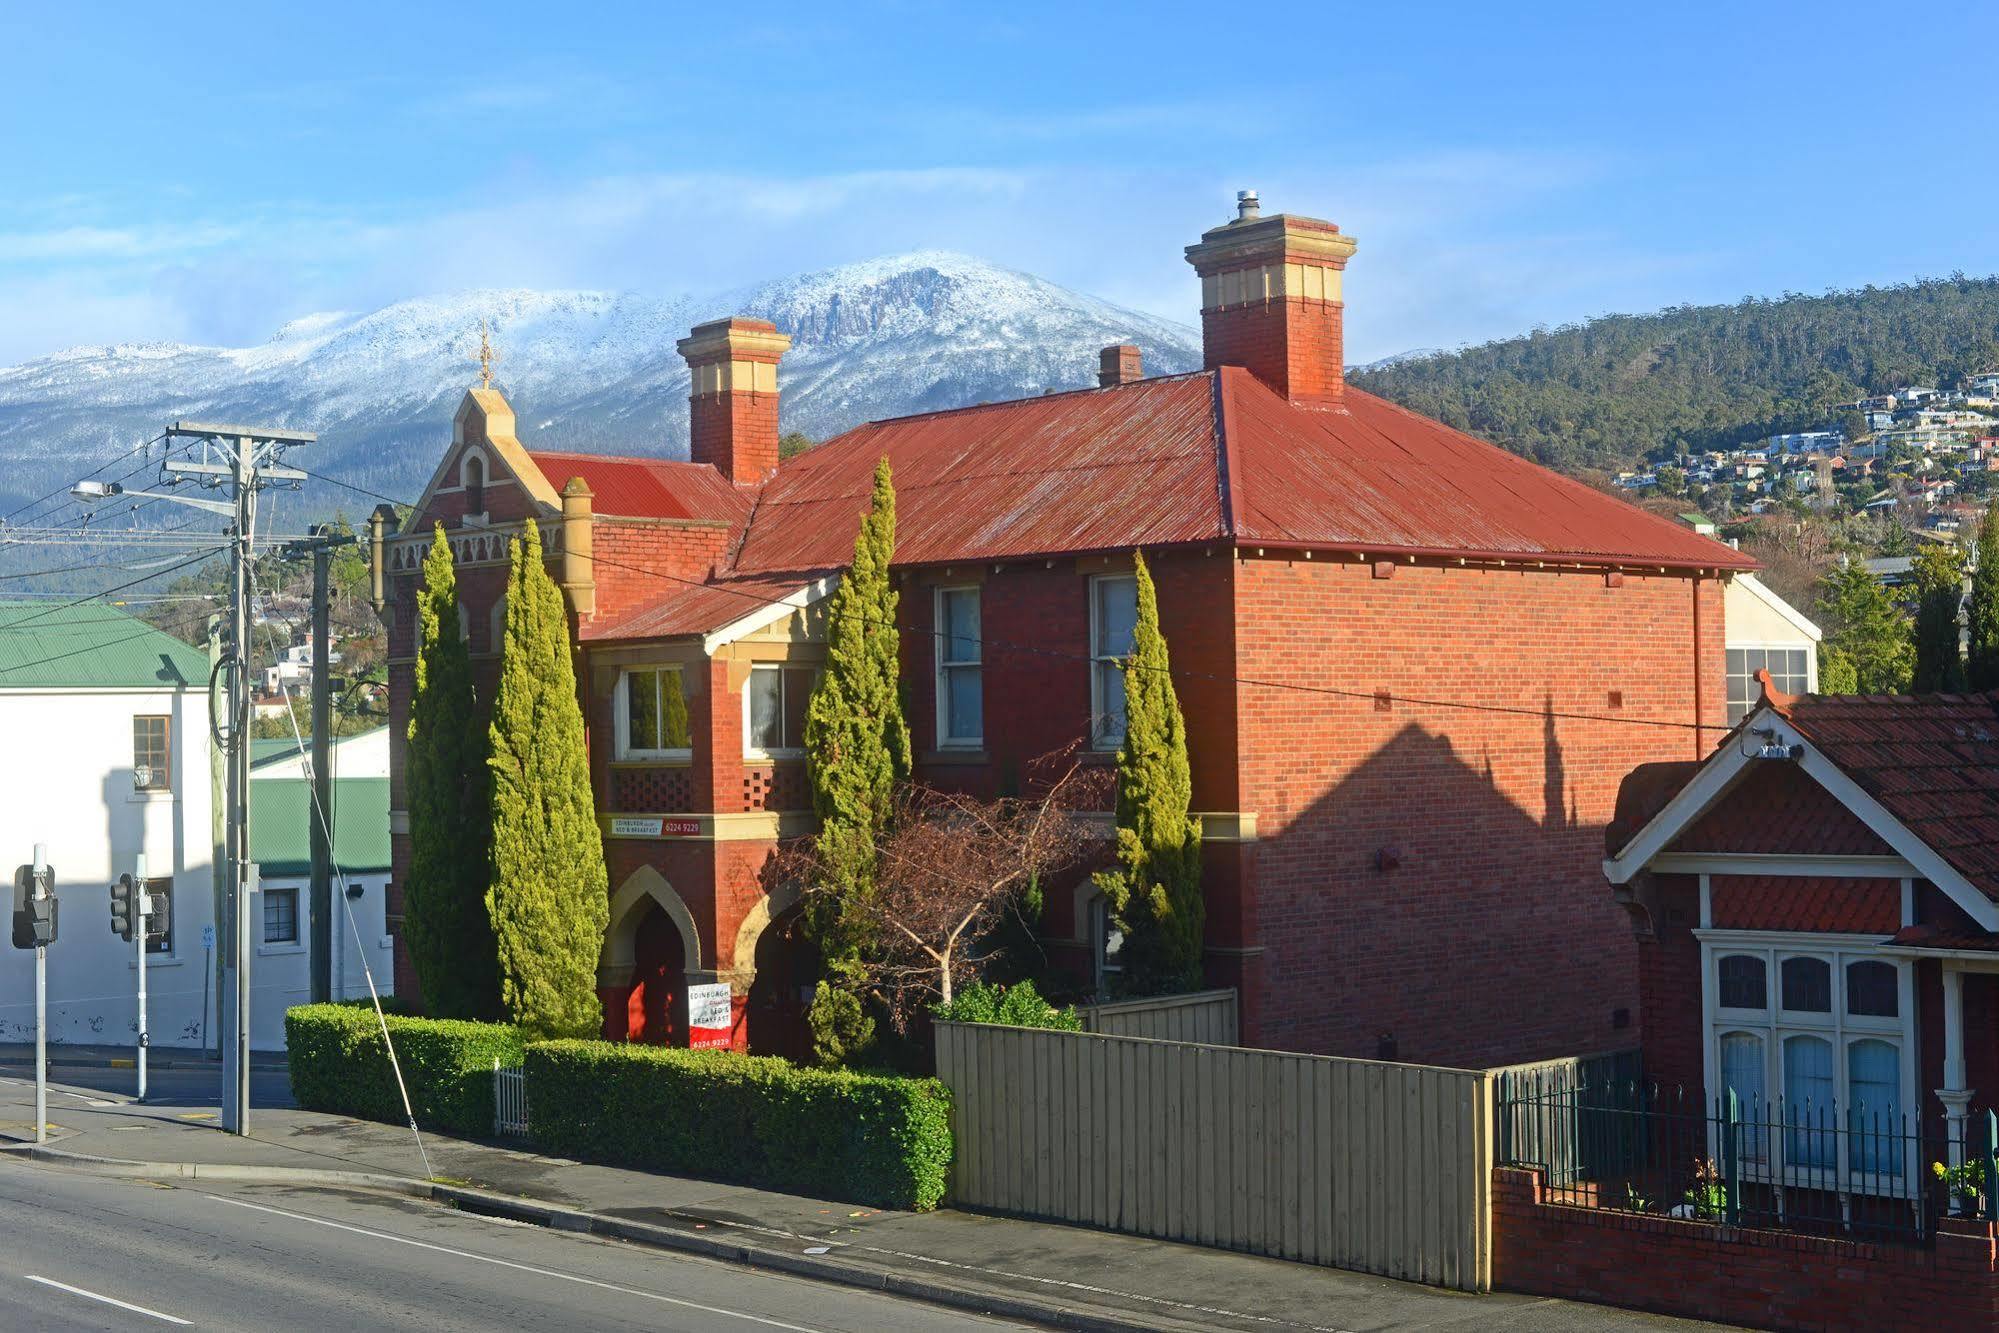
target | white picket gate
x=510, y=1101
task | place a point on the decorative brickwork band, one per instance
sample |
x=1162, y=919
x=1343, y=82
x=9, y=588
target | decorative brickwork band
x=1270, y=301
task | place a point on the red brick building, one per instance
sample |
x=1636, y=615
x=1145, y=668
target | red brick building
x=1414, y=666
x=1817, y=910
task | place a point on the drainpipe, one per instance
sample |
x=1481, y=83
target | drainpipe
x=1700, y=703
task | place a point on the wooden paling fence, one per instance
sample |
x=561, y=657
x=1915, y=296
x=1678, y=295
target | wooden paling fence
x=1205, y=1016
x=1385, y=1168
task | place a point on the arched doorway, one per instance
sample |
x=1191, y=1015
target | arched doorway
x=656, y=1010
x=787, y=967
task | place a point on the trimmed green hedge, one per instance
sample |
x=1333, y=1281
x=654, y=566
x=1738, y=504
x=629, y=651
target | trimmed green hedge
x=1019, y=1006
x=338, y=1064
x=874, y=1139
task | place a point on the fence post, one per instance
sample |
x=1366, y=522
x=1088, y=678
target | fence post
x=1731, y=1162
x=1991, y=1166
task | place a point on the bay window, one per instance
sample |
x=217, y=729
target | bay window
x=1821, y=1064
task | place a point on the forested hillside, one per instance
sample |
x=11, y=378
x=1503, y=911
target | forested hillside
x=1611, y=391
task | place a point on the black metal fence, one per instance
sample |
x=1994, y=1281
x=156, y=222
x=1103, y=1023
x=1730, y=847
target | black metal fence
x=1817, y=1169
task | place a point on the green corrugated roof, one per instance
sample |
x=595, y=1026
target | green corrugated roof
x=91, y=645
x=280, y=836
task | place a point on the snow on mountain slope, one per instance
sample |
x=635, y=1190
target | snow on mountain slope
x=587, y=370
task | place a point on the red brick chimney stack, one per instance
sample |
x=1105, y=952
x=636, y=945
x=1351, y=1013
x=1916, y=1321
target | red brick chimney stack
x=1270, y=300
x=1119, y=365
x=732, y=402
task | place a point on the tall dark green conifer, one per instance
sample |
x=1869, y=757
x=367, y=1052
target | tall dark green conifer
x=1155, y=890
x=857, y=745
x=549, y=899
x=1867, y=630
x=1982, y=666
x=449, y=935
x=1939, y=593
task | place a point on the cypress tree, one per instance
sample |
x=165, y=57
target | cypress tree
x=857, y=747
x=1982, y=667
x=445, y=924
x=1939, y=591
x=549, y=899
x=1155, y=889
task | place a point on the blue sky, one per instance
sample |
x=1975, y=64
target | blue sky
x=189, y=172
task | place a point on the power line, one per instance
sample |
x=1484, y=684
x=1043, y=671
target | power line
x=113, y=462
x=131, y=583
x=1370, y=696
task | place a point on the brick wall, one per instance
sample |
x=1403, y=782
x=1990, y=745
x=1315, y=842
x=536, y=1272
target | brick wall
x=636, y=563
x=1493, y=936
x=736, y=432
x=1763, y=1279
x=1294, y=345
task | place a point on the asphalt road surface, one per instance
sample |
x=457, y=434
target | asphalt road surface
x=194, y=1085
x=85, y=1252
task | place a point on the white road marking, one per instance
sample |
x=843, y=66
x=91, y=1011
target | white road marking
x=87, y=1101
x=522, y=1268
x=100, y=1296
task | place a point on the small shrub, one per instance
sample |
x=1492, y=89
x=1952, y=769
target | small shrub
x=338, y=1064
x=874, y=1139
x=1019, y=1006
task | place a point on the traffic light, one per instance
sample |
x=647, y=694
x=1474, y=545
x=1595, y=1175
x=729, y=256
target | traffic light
x=34, y=914
x=124, y=913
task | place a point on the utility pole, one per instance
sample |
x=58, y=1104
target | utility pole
x=244, y=459
x=320, y=546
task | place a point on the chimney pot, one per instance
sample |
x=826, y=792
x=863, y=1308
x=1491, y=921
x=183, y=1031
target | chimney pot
x=1271, y=300
x=1122, y=364
x=732, y=398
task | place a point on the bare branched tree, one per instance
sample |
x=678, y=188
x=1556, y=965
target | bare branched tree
x=949, y=869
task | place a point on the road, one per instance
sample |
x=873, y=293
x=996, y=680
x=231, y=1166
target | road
x=85, y=1252
x=190, y=1085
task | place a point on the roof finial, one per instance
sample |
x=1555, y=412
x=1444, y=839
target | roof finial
x=486, y=357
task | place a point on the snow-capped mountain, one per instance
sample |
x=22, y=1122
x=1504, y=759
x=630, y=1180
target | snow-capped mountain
x=584, y=370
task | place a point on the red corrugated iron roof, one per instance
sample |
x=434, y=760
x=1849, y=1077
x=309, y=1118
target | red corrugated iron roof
x=1093, y=470
x=684, y=609
x=1211, y=456
x=1931, y=760
x=647, y=487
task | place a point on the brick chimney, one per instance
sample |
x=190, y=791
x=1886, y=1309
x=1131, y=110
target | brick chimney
x=732, y=406
x=1270, y=300
x=1118, y=365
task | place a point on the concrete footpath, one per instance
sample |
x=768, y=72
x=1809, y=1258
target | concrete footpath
x=1062, y=1276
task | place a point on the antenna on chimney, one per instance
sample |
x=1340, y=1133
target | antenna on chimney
x=1246, y=205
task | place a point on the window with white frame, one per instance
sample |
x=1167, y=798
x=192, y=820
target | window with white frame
x=280, y=916
x=152, y=753
x=652, y=714
x=961, y=718
x=774, y=710
x=1113, y=616
x=1789, y=668
x=1815, y=1040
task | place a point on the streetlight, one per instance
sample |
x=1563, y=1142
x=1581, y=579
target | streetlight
x=111, y=490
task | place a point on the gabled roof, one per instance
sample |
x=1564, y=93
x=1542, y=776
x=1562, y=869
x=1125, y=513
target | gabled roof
x=1211, y=456
x=1920, y=771
x=723, y=607
x=647, y=487
x=91, y=645
x=1931, y=760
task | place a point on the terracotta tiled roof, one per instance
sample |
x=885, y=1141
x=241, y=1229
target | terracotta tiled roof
x=647, y=487
x=1211, y=456
x=1946, y=937
x=1931, y=760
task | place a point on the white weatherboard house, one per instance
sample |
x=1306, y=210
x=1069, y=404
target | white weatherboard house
x=106, y=732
